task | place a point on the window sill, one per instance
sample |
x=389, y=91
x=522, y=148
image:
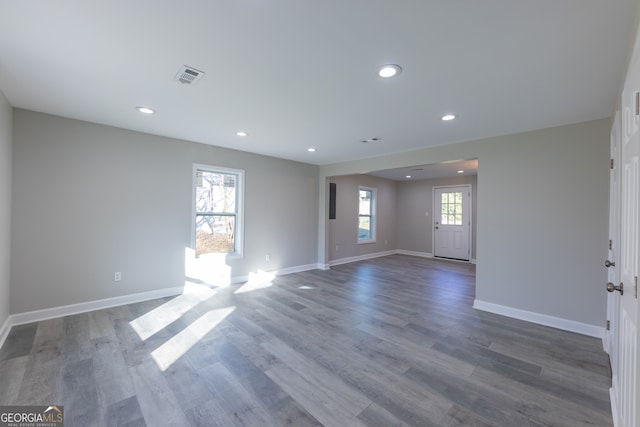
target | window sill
x=212, y=256
x=365, y=242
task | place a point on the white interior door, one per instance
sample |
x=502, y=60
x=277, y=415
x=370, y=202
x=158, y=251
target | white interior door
x=626, y=389
x=613, y=262
x=452, y=222
x=625, y=393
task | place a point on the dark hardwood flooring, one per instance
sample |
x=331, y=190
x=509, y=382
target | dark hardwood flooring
x=386, y=342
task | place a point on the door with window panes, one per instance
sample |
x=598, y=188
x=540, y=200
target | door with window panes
x=452, y=222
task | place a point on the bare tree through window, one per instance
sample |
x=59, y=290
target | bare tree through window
x=216, y=213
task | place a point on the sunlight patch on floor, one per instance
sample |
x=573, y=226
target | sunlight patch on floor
x=211, y=269
x=178, y=345
x=259, y=280
x=160, y=317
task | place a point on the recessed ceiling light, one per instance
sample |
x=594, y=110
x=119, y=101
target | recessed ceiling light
x=146, y=110
x=311, y=150
x=448, y=117
x=460, y=171
x=408, y=176
x=241, y=133
x=389, y=70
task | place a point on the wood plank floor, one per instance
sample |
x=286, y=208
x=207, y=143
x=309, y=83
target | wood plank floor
x=386, y=342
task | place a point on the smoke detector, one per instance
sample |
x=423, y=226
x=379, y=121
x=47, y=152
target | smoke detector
x=188, y=75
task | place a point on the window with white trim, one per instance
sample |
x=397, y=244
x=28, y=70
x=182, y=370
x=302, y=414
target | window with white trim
x=366, y=215
x=217, y=206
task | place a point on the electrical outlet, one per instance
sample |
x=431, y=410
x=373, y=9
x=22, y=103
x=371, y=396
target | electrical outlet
x=117, y=276
x=385, y=241
x=337, y=248
x=267, y=257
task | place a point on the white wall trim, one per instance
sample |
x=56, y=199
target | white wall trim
x=413, y=253
x=606, y=342
x=361, y=257
x=83, y=307
x=4, y=330
x=541, y=319
x=430, y=255
x=296, y=269
x=614, y=408
x=281, y=272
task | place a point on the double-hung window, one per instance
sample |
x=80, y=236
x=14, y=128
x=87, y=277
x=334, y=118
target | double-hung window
x=218, y=219
x=366, y=215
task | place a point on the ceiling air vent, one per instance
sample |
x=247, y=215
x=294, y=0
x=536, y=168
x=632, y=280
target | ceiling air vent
x=374, y=139
x=188, y=75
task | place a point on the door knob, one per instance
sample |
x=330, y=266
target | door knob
x=611, y=287
x=608, y=264
x=436, y=227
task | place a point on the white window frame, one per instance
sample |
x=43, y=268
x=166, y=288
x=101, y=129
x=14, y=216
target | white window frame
x=239, y=222
x=372, y=217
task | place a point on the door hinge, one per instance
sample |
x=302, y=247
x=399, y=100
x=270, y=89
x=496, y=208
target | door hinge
x=611, y=163
x=635, y=288
x=610, y=244
x=608, y=325
x=637, y=103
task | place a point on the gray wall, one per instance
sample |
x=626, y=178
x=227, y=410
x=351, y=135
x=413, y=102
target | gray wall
x=542, y=216
x=90, y=200
x=543, y=219
x=343, y=231
x=6, y=140
x=415, y=198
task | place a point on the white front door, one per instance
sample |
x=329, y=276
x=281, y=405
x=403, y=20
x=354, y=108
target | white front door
x=452, y=222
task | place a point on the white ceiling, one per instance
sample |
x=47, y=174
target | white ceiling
x=431, y=171
x=297, y=74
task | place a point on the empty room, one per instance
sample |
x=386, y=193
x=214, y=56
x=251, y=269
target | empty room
x=356, y=213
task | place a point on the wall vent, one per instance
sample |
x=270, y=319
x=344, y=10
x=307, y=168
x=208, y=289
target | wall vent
x=188, y=75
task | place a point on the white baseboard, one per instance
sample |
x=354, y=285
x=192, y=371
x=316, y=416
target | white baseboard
x=413, y=253
x=296, y=269
x=429, y=255
x=361, y=257
x=606, y=342
x=614, y=408
x=83, y=307
x=4, y=330
x=281, y=272
x=541, y=319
